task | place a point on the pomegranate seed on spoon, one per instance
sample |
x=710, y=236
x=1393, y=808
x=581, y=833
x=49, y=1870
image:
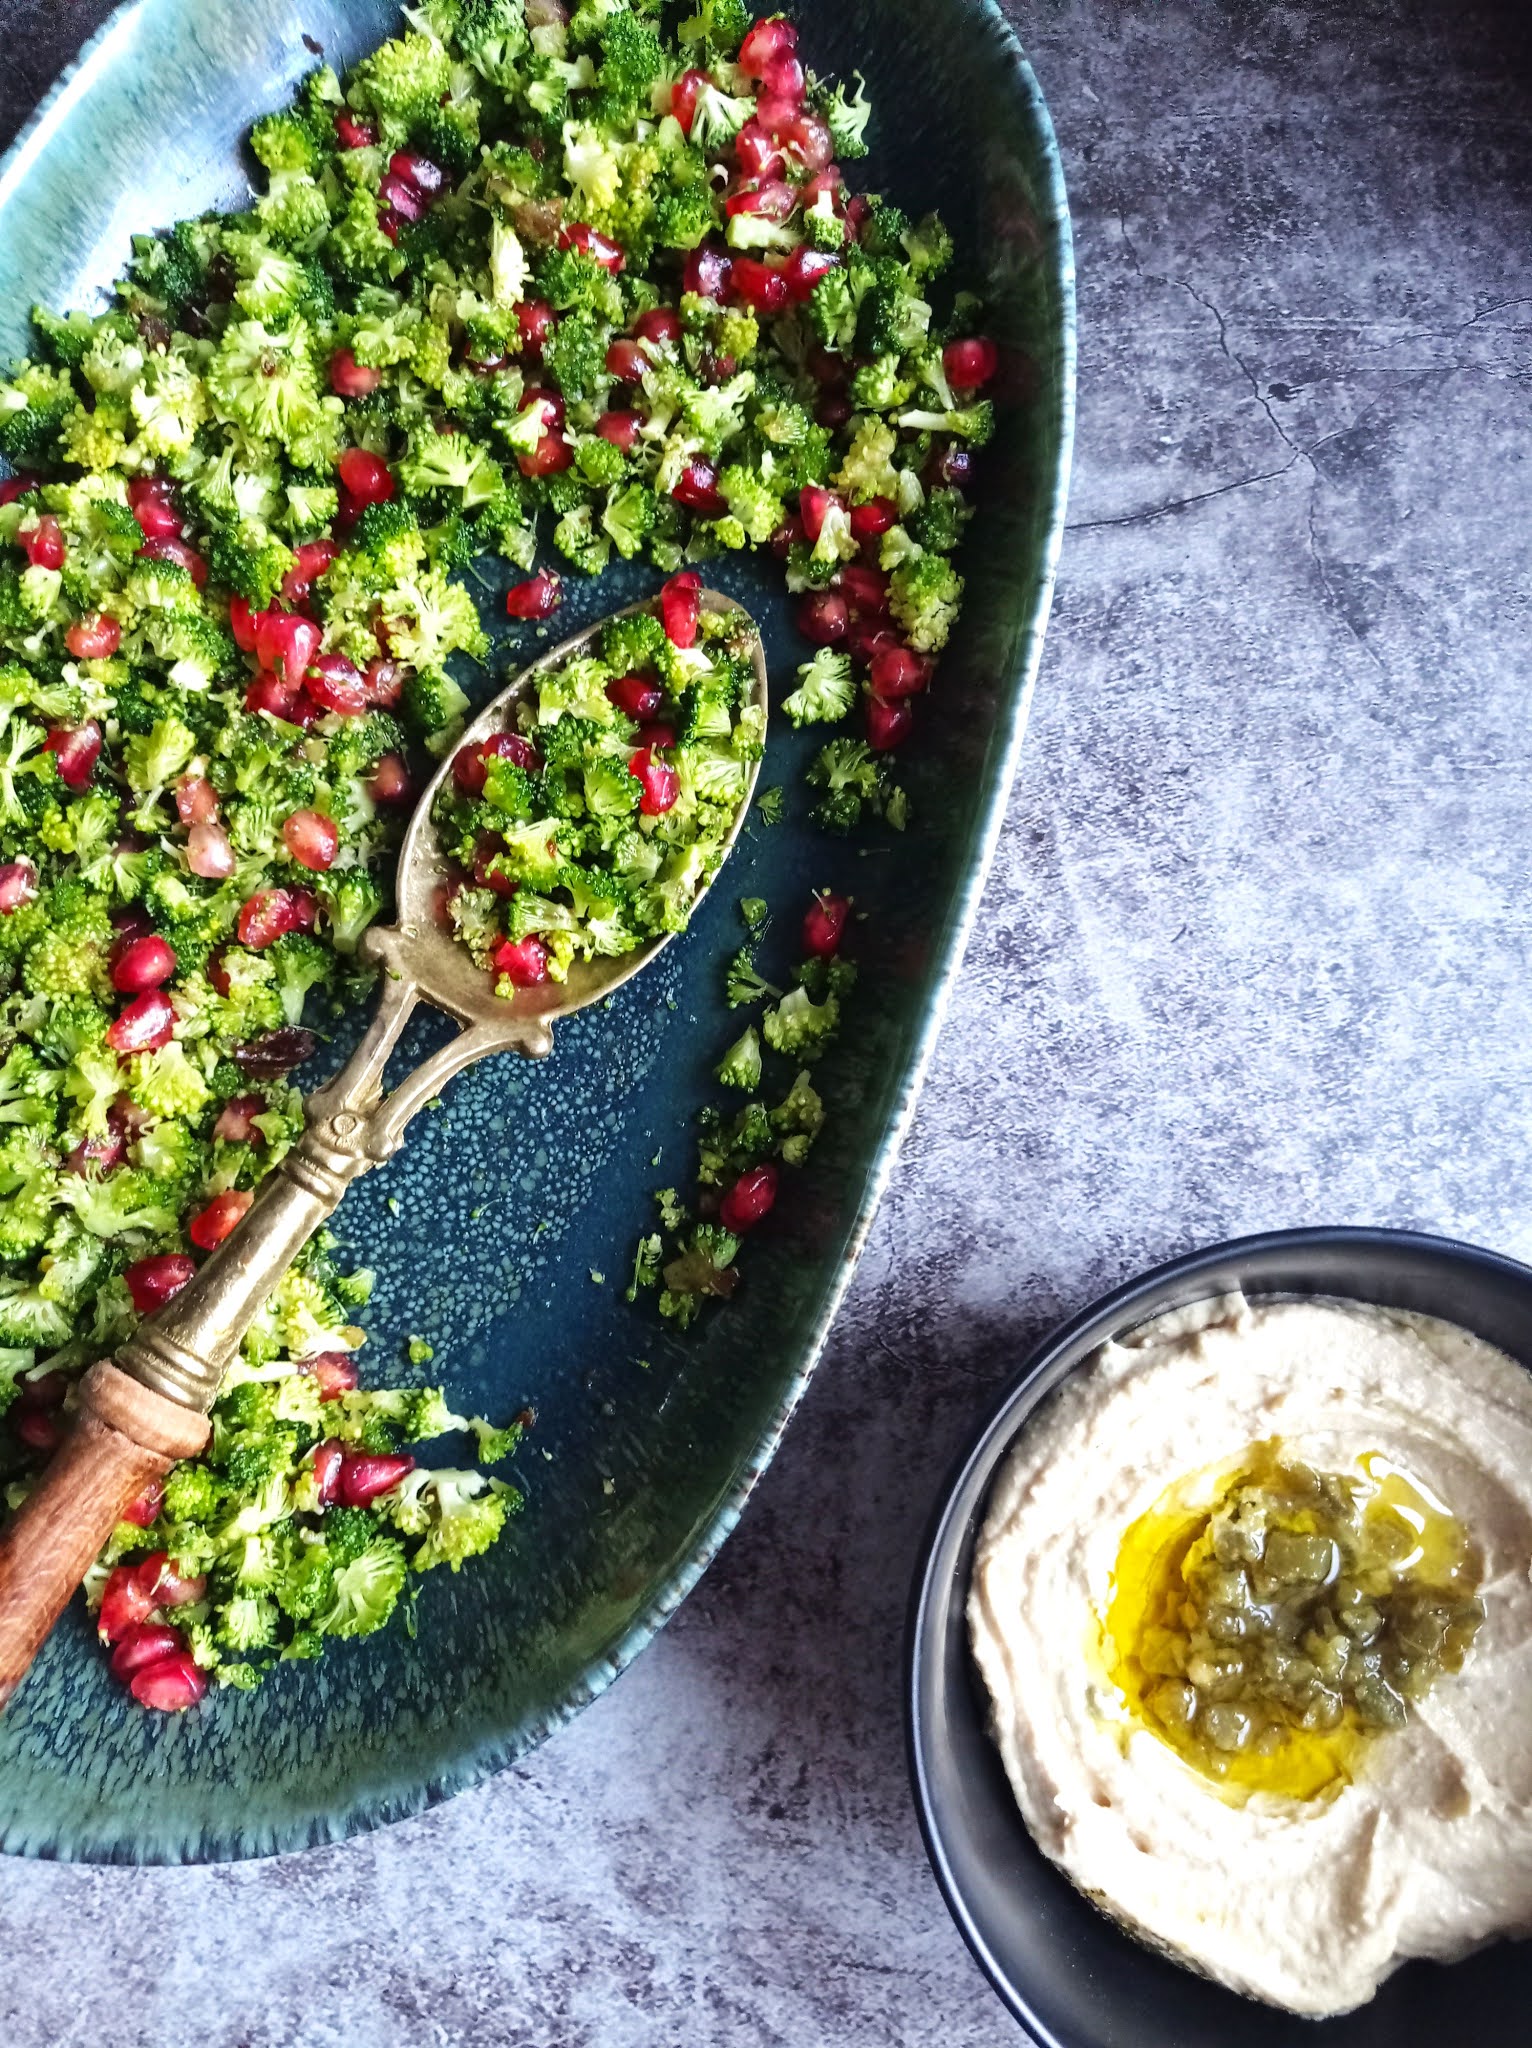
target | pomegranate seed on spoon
x=523, y=962
x=681, y=607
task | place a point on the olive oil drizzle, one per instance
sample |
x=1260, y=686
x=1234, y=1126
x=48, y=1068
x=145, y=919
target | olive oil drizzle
x=1269, y=1622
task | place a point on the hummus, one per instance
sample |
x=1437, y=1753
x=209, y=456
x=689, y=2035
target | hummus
x=1305, y=1875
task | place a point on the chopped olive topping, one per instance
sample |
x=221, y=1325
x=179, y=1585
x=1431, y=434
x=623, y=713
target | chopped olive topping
x=1268, y=1633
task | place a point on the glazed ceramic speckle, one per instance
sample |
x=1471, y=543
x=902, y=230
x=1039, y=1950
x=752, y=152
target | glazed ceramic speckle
x=487, y=1232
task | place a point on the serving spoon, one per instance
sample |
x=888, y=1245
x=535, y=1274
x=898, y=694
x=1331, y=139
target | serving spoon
x=142, y=1411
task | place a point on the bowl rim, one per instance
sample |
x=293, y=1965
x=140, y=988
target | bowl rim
x=472, y=1765
x=948, y=1533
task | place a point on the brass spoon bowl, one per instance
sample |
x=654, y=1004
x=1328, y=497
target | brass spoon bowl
x=140, y=1413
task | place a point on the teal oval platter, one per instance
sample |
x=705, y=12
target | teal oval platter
x=504, y=1231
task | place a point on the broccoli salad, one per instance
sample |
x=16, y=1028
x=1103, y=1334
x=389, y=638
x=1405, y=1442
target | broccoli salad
x=594, y=827
x=526, y=276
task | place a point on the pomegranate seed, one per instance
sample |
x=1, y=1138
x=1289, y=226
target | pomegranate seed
x=46, y=1391
x=552, y=455
x=809, y=140
x=94, y=637
x=180, y=555
x=236, y=1123
x=822, y=617
x=637, y=696
x=657, y=736
x=659, y=783
x=152, y=502
x=803, y=270
x=99, y=1156
x=275, y=1053
x=382, y=683
x=776, y=115
x=218, y=971
x=215, y=1222
x=146, y=1644
x=125, y=1605
x=593, y=244
x=551, y=401
x=761, y=286
x=683, y=97
x=971, y=362
x=335, y=1372
x=813, y=504
x=210, y=852
x=21, y=485
x=488, y=848
x=351, y=379
x=391, y=782
x=140, y=962
x=267, y=916
x=896, y=672
x=428, y=178
x=658, y=324
x=336, y=684
x=873, y=518
x=18, y=885
x=470, y=764
x=170, y=1684
x=865, y=589
x=242, y=624
x=538, y=598
x=824, y=925
x=858, y=207
x=523, y=962
x=327, y=1464
x=42, y=542
x=771, y=200
x=887, y=723
x=196, y=800
x=706, y=271
x=831, y=179
x=621, y=429
x=364, y=1475
x=750, y=1198
x=353, y=132
x=626, y=360
x=783, y=78
x=681, y=607
x=38, y=1431
x=952, y=466
x=167, y=1586
x=535, y=321
x=154, y=1281
x=312, y=839
x=756, y=154
x=143, y=1025
x=311, y=560
x=285, y=643
x=366, y=476
x=787, y=536
x=401, y=202
x=770, y=38
x=697, y=488
x=144, y=1511
x=76, y=748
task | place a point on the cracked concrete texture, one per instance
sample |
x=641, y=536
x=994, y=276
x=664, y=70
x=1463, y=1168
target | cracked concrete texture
x=1254, y=953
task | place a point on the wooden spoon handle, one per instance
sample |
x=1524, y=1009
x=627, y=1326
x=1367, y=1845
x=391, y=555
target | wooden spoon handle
x=123, y=1436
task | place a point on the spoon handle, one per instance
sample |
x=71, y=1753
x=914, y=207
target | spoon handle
x=137, y=1416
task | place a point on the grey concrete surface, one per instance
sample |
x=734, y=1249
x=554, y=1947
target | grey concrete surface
x=1254, y=953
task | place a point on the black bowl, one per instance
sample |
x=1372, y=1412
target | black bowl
x=1072, y=1977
